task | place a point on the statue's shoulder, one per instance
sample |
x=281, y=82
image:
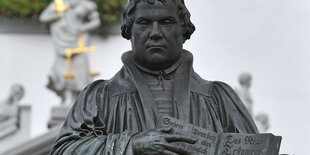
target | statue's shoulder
x=223, y=90
x=121, y=83
x=94, y=86
x=219, y=85
x=206, y=87
x=200, y=85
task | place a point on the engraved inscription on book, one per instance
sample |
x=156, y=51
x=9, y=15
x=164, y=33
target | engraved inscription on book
x=210, y=143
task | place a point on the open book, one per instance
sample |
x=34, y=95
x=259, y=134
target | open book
x=211, y=143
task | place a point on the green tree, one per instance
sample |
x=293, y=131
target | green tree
x=110, y=10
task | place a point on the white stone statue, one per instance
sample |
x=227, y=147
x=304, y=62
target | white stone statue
x=66, y=28
x=244, y=91
x=9, y=107
x=261, y=120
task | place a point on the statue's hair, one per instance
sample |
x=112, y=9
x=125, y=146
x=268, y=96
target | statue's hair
x=128, y=17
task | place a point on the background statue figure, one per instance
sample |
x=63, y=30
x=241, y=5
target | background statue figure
x=9, y=107
x=261, y=120
x=245, y=80
x=66, y=28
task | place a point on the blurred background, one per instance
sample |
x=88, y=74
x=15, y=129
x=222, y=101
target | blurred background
x=267, y=38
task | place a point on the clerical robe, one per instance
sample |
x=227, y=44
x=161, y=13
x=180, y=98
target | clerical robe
x=108, y=113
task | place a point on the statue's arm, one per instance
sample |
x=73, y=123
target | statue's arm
x=93, y=22
x=49, y=14
x=233, y=114
x=85, y=132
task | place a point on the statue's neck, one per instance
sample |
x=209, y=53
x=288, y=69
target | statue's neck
x=168, y=70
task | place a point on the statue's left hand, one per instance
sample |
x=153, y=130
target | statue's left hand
x=158, y=141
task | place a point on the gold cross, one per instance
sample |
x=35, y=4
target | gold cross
x=81, y=49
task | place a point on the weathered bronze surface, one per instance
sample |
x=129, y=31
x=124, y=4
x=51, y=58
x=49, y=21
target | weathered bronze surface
x=120, y=115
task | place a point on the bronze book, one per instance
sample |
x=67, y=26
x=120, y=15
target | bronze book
x=211, y=143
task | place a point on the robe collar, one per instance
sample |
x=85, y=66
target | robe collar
x=122, y=82
x=166, y=71
x=181, y=88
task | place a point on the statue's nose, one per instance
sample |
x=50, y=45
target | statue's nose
x=156, y=33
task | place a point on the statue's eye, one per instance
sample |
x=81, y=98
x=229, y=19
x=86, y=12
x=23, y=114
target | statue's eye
x=143, y=22
x=167, y=22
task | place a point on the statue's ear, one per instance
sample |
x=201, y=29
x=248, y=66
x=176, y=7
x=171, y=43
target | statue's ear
x=183, y=33
x=182, y=23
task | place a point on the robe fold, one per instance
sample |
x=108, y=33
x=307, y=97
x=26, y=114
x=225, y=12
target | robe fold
x=108, y=113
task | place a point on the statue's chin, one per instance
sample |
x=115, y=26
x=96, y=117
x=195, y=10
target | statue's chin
x=159, y=65
x=156, y=60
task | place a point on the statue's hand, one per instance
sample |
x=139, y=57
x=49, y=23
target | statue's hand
x=158, y=141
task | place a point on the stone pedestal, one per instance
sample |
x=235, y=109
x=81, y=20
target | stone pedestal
x=40, y=145
x=58, y=115
x=8, y=127
x=15, y=131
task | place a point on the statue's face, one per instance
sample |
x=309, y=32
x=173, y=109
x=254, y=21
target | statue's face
x=157, y=39
x=247, y=83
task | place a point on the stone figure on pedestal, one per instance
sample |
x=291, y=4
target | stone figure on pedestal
x=9, y=107
x=261, y=120
x=67, y=26
x=245, y=80
x=120, y=115
x=9, y=113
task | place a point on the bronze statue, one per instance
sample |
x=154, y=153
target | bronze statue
x=120, y=115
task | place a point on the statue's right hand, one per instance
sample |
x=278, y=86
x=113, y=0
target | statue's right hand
x=158, y=141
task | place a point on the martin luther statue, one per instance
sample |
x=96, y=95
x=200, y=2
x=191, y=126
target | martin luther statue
x=119, y=116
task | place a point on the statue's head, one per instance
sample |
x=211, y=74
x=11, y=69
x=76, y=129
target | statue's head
x=245, y=80
x=17, y=92
x=157, y=30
